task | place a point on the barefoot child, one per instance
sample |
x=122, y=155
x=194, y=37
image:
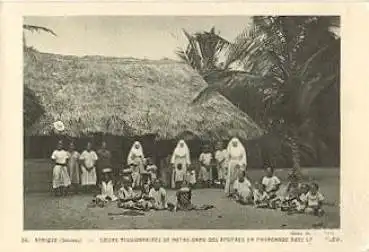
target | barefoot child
x=179, y=176
x=107, y=188
x=242, y=189
x=127, y=197
x=271, y=183
x=314, y=200
x=152, y=169
x=260, y=196
x=158, y=196
x=205, y=174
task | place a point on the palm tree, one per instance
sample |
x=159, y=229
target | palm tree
x=291, y=60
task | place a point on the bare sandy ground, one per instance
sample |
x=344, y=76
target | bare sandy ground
x=42, y=211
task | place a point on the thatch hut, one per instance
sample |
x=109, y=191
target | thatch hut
x=127, y=97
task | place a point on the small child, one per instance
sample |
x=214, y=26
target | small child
x=184, y=195
x=144, y=202
x=290, y=199
x=136, y=176
x=127, y=197
x=179, y=176
x=242, y=189
x=314, y=200
x=260, y=196
x=158, y=196
x=205, y=174
x=107, y=189
x=271, y=183
x=152, y=169
x=192, y=179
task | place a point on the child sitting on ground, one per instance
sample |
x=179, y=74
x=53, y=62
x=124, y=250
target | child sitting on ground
x=260, y=196
x=289, y=200
x=158, y=196
x=145, y=202
x=107, y=189
x=271, y=185
x=127, y=198
x=242, y=189
x=183, y=196
x=314, y=200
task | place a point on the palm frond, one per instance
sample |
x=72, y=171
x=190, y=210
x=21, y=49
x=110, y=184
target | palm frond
x=35, y=28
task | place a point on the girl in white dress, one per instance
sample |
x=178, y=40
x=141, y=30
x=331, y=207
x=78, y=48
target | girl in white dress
x=61, y=179
x=236, y=159
x=107, y=188
x=88, y=160
x=181, y=155
x=136, y=160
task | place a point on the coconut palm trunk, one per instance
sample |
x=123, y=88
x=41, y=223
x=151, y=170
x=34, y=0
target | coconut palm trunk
x=295, y=154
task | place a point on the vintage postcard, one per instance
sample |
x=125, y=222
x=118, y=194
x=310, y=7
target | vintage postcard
x=204, y=125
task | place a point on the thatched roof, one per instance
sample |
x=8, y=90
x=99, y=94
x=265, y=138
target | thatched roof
x=124, y=96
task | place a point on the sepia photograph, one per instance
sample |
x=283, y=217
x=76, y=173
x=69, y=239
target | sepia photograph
x=181, y=122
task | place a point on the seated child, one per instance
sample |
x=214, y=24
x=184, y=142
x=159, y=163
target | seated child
x=184, y=195
x=271, y=183
x=242, y=189
x=152, y=170
x=260, y=196
x=158, y=196
x=314, y=200
x=290, y=199
x=145, y=202
x=179, y=176
x=127, y=198
x=107, y=190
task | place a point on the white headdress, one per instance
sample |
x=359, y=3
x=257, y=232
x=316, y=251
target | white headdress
x=181, y=152
x=135, y=152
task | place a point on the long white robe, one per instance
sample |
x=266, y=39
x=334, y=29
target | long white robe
x=181, y=155
x=89, y=159
x=236, y=156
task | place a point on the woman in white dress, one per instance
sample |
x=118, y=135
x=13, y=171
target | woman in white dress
x=136, y=159
x=88, y=160
x=181, y=155
x=237, y=160
x=61, y=179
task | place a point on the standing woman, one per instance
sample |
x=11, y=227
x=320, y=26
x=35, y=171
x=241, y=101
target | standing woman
x=88, y=160
x=181, y=155
x=136, y=159
x=104, y=161
x=73, y=167
x=61, y=179
x=237, y=159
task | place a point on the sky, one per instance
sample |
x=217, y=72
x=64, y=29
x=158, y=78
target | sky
x=151, y=37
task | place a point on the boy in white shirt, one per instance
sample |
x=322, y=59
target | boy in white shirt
x=242, y=189
x=260, y=196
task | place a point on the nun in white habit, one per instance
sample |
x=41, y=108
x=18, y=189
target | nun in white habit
x=237, y=160
x=181, y=155
x=136, y=159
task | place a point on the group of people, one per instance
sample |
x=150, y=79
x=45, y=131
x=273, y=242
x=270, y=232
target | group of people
x=296, y=197
x=226, y=166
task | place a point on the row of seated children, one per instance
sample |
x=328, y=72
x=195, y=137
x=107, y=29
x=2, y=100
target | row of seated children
x=152, y=196
x=297, y=198
x=141, y=177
